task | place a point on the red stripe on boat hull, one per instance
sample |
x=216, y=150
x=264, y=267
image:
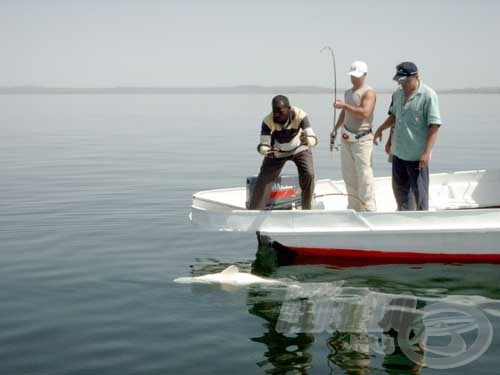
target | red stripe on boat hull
x=352, y=258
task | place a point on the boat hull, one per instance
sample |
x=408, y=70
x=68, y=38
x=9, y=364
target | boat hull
x=450, y=247
x=461, y=226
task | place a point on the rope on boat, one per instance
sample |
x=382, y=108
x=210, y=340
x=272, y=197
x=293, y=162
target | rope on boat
x=363, y=204
x=297, y=199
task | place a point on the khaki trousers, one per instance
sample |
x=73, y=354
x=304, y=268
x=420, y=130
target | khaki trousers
x=357, y=172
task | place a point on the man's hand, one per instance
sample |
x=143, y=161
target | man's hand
x=388, y=123
x=377, y=135
x=424, y=159
x=264, y=149
x=271, y=154
x=333, y=135
x=339, y=104
x=388, y=146
x=303, y=139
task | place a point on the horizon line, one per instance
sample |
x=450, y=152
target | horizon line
x=243, y=88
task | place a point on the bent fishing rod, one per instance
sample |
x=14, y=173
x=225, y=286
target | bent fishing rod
x=332, y=140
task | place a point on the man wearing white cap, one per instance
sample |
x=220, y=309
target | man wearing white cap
x=355, y=120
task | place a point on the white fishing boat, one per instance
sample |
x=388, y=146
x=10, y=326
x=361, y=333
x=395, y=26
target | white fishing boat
x=462, y=224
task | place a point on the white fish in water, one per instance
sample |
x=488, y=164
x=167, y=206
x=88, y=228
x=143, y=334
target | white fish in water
x=230, y=276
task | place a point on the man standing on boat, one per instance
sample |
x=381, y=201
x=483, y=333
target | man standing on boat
x=286, y=134
x=414, y=114
x=357, y=139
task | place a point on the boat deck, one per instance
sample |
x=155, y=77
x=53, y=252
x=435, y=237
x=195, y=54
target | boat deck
x=447, y=191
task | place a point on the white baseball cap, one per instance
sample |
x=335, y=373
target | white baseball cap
x=358, y=68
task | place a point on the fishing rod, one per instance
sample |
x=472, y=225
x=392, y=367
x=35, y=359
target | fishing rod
x=332, y=140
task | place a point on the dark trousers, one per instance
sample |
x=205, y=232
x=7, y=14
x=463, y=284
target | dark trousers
x=410, y=185
x=270, y=171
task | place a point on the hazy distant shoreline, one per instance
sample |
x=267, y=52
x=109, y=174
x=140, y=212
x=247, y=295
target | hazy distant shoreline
x=249, y=89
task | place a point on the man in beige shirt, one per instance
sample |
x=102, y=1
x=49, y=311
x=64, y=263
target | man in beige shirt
x=286, y=135
x=355, y=122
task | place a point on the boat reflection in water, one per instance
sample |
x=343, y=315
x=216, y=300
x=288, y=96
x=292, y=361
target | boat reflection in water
x=286, y=353
x=354, y=344
x=357, y=320
x=360, y=330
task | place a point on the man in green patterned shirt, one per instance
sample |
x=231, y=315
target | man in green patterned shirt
x=415, y=118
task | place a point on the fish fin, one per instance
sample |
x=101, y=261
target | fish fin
x=230, y=270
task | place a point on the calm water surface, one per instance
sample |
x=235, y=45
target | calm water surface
x=94, y=200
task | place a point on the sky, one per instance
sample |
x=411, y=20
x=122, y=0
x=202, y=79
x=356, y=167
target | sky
x=205, y=43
